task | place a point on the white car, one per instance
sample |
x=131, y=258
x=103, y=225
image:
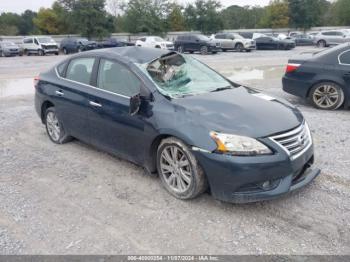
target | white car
x=233, y=41
x=154, y=42
x=40, y=45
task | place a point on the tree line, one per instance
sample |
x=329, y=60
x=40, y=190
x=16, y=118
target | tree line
x=99, y=18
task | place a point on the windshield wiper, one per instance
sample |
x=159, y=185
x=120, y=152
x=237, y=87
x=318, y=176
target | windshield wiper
x=222, y=88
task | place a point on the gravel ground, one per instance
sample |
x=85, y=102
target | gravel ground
x=74, y=199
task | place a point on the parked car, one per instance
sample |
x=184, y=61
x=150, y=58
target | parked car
x=322, y=78
x=268, y=42
x=175, y=116
x=114, y=42
x=154, y=42
x=40, y=45
x=303, y=39
x=76, y=44
x=196, y=43
x=232, y=41
x=8, y=48
x=333, y=37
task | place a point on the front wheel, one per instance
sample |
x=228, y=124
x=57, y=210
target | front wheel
x=179, y=170
x=41, y=52
x=180, y=49
x=239, y=47
x=65, y=51
x=54, y=127
x=327, y=95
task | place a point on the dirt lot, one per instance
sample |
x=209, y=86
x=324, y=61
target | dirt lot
x=74, y=199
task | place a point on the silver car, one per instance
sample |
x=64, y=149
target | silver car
x=333, y=37
x=8, y=48
x=233, y=41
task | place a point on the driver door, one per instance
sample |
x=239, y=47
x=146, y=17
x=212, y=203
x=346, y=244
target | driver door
x=111, y=125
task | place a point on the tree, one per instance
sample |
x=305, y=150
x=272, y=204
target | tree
x=307, y=13
x=147, y=16
x=342, y=12
x=26, y=25
x=176, y=20
x=90, y=18
x=47, y=21
x=276, y=15
x=204, y=16
x=9, y=23
x=236, y=17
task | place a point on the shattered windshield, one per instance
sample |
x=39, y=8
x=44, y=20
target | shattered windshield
x=179, y=75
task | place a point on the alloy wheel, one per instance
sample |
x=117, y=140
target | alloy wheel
x=53, y=126
x=176, y=169
x=327, y=96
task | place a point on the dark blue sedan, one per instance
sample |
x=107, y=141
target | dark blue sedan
x=177, y=117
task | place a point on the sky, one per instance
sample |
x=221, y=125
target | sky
x=18, y=6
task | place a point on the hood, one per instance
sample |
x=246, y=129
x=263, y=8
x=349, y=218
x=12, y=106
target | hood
x=241, y=111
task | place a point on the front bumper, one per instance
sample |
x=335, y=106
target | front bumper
x=51, y=51
x=243, y=179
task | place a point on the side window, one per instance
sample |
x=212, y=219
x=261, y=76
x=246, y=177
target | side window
x=143, y=39
x=116, y=78
x=36, y=41
x=220, y=36
x=80, y=70
x=345, y=58
x=28, y=41
x=61, y=68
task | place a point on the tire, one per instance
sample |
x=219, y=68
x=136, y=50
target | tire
x=56, y=53
x=54, y=127
x=65, y=51
x=239, y=47
x=80, y=50
x=321, y=44
x=327, y=96
x=157, y=46
x=180, y=49
x=41, y=52
x=2, y=54
x=248, y=50
x=186, y=182
x=224, y=50
x=204, y=50
x=191, y=52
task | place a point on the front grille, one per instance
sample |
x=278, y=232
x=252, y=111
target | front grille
x=218, y=44
x=296, y=141
x=13, y=50
x=169, y=45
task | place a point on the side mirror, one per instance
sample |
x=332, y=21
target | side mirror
x=135, y=103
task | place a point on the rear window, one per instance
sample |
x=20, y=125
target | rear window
x=61, y=68
x=344, y=58
x=80, y=70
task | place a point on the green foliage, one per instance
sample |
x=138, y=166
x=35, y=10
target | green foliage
x=276, y=15
x=237, y=17
x=176, y=20
x=307, y=13
x=47, y=21
x=204, y=16
x=146, y=16
x=342, y=12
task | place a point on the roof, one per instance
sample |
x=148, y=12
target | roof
x=135, y=54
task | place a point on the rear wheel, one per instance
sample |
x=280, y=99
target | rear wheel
x=179, y=170
x=54, y=127
x=327, y=95
x=204, y=50
x=321, y=43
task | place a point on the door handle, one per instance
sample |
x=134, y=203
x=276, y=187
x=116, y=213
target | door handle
x=59, y=93
x=94, y=104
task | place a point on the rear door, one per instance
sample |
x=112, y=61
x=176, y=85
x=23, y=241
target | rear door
x=112, y=127
x=344, y=66
x=71, y=96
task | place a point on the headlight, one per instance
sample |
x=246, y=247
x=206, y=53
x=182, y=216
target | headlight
x=239, y=145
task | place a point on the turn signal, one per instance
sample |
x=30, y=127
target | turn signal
x=36, y=81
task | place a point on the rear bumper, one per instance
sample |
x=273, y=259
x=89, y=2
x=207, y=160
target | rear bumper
x=252, y=179
x=295, y=87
